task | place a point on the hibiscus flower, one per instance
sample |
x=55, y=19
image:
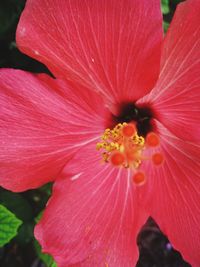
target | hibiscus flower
x=117, y=129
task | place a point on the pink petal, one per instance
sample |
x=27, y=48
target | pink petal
x=105, y=45
x=176, y=97
x=42, y=120
x=93, y=217
x=174, y=194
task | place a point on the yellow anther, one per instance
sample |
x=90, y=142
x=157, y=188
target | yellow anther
x=138, y=140
x=105, y=156
x=98, y=146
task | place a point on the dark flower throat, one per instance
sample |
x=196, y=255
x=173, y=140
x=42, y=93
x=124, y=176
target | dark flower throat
x=130, y=112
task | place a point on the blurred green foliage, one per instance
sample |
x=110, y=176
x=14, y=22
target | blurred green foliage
x=165, y=6
x=26, y=207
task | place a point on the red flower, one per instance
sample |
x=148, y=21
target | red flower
x=105, y=56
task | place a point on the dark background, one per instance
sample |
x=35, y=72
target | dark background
x=23, y=251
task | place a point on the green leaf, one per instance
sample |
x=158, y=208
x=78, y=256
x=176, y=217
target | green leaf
x=165, y=6
x=9, y=225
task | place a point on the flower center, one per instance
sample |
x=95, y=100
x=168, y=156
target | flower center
x=123, y=147
x=130, y=112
